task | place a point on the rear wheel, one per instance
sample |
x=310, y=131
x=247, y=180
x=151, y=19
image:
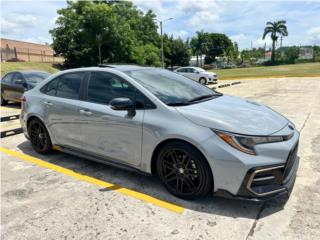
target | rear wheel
x=3, y=102
x=184, y=171
x=203, y=81
x=39, y=136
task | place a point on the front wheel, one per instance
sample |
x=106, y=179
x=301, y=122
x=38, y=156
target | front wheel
x=39, y=136
x=184, y=171
x=203, y=81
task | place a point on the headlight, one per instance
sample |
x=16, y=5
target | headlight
x=246, y=143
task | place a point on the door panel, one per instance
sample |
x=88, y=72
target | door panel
x=63, y=121
x=5, y=85
x=112, y=134
x=15, y=90
x=62, y=106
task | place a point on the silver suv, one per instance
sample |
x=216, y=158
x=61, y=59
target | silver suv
x=155, y=121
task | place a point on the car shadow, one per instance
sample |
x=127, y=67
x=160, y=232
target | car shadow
x=13, y=105
x=150, y=185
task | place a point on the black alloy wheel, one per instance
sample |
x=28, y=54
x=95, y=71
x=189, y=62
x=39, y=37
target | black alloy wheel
x=184, y=171
x=39, y=136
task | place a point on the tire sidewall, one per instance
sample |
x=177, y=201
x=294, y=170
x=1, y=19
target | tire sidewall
x=48, y=146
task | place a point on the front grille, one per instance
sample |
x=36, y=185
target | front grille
x=290, y=162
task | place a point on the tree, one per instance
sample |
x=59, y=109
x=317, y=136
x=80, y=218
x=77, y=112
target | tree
x=275, y=29
x=290, y=54
x=199, y=45
x=179, y=52
x=245, y=55
x=87, y=33
x=216, y=45
x=146, y=55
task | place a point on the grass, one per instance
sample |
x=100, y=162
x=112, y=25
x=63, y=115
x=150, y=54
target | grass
x=14, y=66
x=293, y=70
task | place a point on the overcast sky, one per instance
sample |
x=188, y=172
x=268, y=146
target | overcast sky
x=242, y=21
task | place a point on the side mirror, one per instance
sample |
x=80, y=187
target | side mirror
x=18, y=81
x=122, y=104
x=197, y=72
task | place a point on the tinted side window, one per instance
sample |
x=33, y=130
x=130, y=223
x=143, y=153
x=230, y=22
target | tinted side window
x=17, y=76
x=103, y=87
x=51, y=87
x=7, y=78
x=69, y=85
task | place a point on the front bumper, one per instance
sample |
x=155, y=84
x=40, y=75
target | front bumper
x=268, y=182
x=212, y=79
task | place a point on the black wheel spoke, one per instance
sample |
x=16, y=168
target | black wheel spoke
x=172, y=178
x=190, y=184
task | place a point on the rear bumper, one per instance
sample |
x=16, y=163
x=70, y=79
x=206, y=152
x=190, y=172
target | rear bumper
x=268, y=182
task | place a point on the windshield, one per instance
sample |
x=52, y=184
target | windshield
x=35, y=77
x=171, y=88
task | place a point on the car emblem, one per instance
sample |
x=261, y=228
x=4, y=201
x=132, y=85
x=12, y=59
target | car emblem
x=291, y=127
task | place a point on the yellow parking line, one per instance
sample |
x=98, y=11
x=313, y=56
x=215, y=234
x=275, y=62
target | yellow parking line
x=141, y=196
x=8, y=108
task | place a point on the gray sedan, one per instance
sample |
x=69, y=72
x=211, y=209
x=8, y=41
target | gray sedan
x=196, y=140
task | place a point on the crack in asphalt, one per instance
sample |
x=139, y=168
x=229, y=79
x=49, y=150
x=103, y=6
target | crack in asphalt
x=253, y=227
x=305, y=121
x=264, y=206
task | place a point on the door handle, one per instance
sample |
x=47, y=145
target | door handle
x=48, y=103
x=85, y=112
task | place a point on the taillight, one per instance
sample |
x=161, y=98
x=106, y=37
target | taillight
x=23, y=99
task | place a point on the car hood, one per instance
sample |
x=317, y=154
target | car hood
x=235, y=115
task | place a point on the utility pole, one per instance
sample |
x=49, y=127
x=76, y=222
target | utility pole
x=162, y=55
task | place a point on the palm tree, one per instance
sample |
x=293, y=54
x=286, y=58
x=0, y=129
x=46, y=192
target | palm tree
x=275, y=29
x=199, y=45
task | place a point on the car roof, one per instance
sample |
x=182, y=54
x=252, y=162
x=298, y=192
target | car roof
x=123, y=67
x=117, y=67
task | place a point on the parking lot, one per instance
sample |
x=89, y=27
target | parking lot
x=59, y=196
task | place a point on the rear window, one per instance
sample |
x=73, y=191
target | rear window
x=35, y=77
x=7, y=78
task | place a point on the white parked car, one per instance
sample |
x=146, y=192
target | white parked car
x=198, y=74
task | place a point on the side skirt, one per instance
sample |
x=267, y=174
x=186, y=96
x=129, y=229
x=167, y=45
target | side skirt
x=98, y=159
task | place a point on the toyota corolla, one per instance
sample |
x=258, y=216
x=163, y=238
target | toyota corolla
x=196, y=140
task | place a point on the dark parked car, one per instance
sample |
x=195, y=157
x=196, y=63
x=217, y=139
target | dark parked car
x=14, y=84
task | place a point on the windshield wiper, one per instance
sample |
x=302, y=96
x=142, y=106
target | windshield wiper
x=204, y=97
x=174, y=104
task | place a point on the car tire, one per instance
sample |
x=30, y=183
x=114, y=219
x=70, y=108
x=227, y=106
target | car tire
x=184, y=171
x=203, y=81
x=3, y=102
x=39, y=136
